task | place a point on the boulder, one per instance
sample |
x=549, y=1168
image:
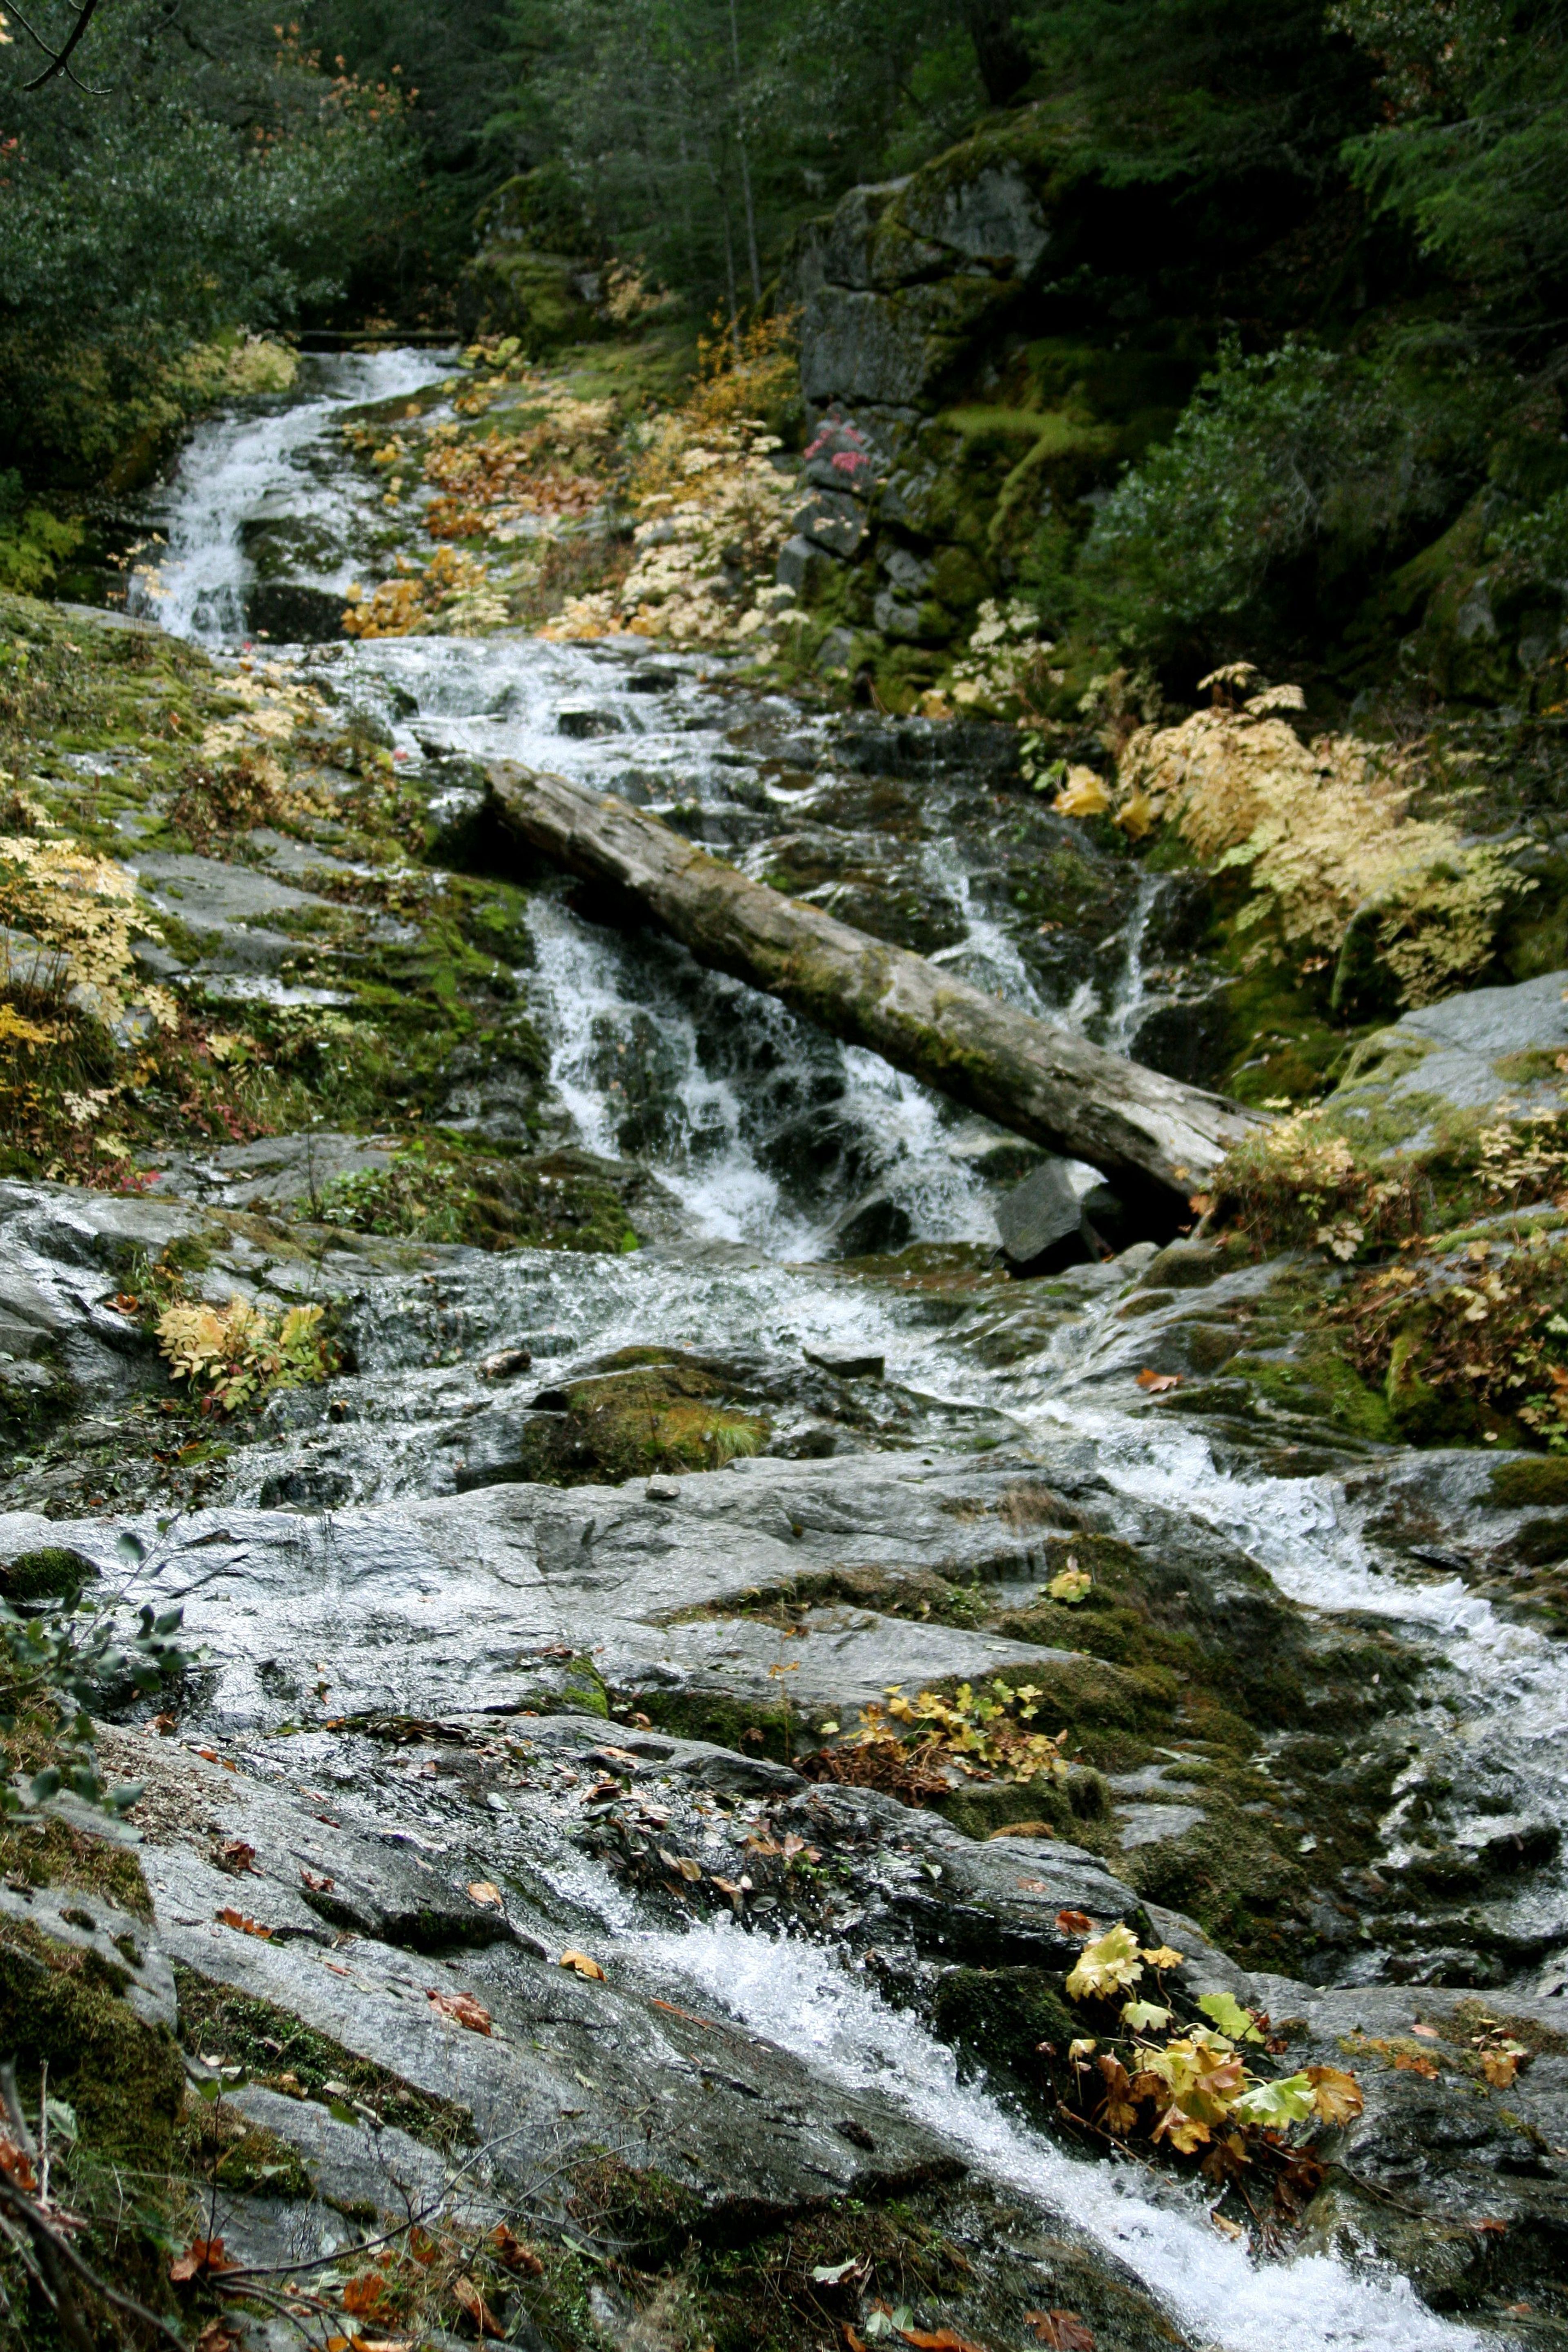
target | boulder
x=1041, y=1223
x=1483, y=1046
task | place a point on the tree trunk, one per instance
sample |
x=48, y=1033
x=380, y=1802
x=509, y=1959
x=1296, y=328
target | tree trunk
x=1004, y=61
x=1040, y=1080
x=752, y=254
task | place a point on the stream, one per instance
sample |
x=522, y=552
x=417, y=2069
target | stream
x=788, y=1153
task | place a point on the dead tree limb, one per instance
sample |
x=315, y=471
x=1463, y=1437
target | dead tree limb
x=1036, y=1077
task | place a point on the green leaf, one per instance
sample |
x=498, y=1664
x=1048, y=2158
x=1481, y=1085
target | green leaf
x=1228, y=2014
x=1277, y=2105
x=1139, y=2016
x=45, y=1785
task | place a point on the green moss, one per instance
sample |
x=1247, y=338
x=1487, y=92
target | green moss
x=259, y=2163
x=51, y=1853
x=54, y=1573
x=981, y=1809
x=997, y=2018
x=279, y=2051
x=650, y=2216
x=1229, y=1874
x=1529, y=1482
x=750, y=1730
x=586, y=1691
x=1319, y=1382
x=645, y=1410
x=62, y=2007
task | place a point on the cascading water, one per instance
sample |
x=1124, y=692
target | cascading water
x=728, y=1098
x=232, y=469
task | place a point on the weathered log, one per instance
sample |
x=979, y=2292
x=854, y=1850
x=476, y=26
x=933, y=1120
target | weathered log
x=1034, y=1077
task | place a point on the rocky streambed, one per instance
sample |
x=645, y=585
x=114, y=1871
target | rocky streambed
x=491, y=1861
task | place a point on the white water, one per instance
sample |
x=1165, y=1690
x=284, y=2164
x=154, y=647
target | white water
x=602, y=1003
x=800, y=1996
x=231, y=471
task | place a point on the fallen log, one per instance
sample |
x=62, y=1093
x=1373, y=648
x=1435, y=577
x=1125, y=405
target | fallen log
x=1034, y=1077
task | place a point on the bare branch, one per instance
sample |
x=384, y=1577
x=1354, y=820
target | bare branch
x=60, y=59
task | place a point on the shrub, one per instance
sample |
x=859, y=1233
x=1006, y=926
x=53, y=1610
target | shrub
x=1336, y=859
x=1278, y=454
x=235, y=1355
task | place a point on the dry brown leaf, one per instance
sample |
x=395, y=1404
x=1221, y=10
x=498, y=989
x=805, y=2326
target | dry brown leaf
x=1500, y=2067
x=238, y=1857
x=515, y=2253
x=1157, y=1383
x=580, y=1963
x=1061, y=2331
x=467, y=2294
x=1336, y=2095
x=462, y=2007
x=218, y=2335
x=362, y=2294
x=490, y=1897
x=1405, y=2063
x=244, y=1924
x=316, y=1879
x=203, y=2258
x=1075, y=1923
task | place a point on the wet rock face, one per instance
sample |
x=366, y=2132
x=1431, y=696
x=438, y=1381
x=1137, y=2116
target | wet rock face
x=479, y=1722
x=520, y=1520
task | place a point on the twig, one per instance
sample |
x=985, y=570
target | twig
x=60, y=59
x=54, y=2248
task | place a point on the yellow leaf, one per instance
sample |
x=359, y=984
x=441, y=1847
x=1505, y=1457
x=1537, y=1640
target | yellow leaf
x=1137, y=816
x=1109, y=1964
x=1336, y=2095
x=1083, y=794
x=1163, y=1957
x=1183, y=2131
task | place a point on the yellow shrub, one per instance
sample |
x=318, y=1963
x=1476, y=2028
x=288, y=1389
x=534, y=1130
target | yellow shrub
x=80, y=908
x=1325, y=831
x=233, y=1355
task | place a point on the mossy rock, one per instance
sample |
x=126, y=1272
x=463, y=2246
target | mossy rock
x=996, y=2019
x=648, y=1409
x=723, y=1721
x=51, y=1853
x=259, y=2163
x=537, y=297
x=1229, y=1876
x=1424, y=1414
x=1318, y=1382
x=984, y=1809
x=277, y=2050
x=62, y=2007
x=54, y=1573
x=1529, y=1482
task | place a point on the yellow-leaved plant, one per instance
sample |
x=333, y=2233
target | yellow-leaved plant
x=81, y=910
x=1193, y=2089
x=1325, y=832
x=987, y=1734
x=234, y=1355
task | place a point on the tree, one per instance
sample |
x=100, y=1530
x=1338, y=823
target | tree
x=1000, y=52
